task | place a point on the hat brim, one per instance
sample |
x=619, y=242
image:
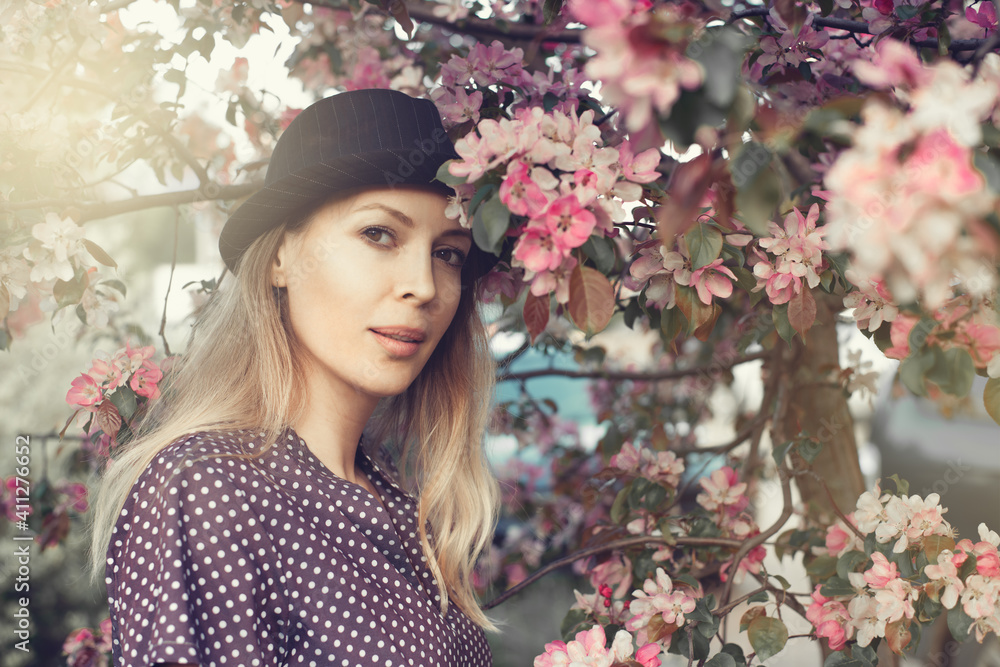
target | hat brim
x=298, y=192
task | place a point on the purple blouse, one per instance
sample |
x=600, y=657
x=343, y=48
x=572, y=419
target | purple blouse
x=217, y=560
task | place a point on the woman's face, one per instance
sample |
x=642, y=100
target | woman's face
x=373, y=281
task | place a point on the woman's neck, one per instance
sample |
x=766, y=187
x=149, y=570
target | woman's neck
x=332, y=426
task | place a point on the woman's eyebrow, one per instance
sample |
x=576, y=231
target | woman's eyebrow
x=396, y=213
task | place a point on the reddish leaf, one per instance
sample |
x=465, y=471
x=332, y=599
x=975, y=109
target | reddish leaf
x=536, y=315
x=698, y=314
x=108, y=419
x=898, y=636
x=793, y=14
x=749, y=615
x=802, y=311
x=55, y=528
x=687, y=189
x=705, y=329
x=591, y=299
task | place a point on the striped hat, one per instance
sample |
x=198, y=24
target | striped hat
x=357, y=139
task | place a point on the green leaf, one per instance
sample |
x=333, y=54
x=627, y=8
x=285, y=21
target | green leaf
x=782, y=581
x=124, y=399
x=571, y=622
x=446, y=177
x=760, y=596
x=114, y=284
x=902, y=486
x=601, y=249
x=991, y=398
x=704, y=243
x=835, y=586
x=959, y=623
x=781, y=451
x=913, y=368
x=721, y=660
x=489, y=225
x=767, y=636
x=822, y=567
x=619, y=509
x=781, y=323
x=953, y=371
x=907, y=12
x=736, y=651
x=550, y=10
x=849, y=562
x=98, y=253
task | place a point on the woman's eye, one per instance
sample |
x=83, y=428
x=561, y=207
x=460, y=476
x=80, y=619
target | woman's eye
x=452, y=256
x=378, y=235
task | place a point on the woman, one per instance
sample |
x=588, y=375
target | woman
x=249, y=522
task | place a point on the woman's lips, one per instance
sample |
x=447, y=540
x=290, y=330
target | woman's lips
x=399, y=341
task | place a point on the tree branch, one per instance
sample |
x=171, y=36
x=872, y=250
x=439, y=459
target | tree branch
x=623, y=543
x=848, y=25
x=98, y=210
x=632, y=375
x=472, y=25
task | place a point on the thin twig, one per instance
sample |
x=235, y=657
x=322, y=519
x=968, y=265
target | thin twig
x=623, y=543
x=839, y=512
x=170, y=281
x=652, y=376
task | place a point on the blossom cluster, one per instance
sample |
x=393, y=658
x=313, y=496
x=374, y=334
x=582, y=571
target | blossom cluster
x=793, y=253
x=130, y=370
x=724, y=496
x=956, y=325
x=907, y=200
x=910, y=564
x=561, y=177
x=85, y=649
x=640, y=61
x=590, y=649
x=57, y=254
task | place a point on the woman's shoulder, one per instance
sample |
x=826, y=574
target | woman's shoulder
x=219, y=456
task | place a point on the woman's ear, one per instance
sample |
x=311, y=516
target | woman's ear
x=279, y=266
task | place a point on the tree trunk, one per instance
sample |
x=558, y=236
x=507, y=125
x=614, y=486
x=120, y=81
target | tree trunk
x=818, y=408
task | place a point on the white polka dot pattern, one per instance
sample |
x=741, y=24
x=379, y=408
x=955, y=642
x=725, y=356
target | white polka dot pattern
x=217, y=560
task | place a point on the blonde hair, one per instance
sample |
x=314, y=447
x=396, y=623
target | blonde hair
x=242, y=341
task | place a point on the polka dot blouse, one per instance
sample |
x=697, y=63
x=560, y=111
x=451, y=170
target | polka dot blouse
x=217, y=560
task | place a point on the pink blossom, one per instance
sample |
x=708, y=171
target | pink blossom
x=830, y=618
x=896, y=600
x=710, y=280
x=502, y=281
x=752, y=562
x=84, y=392
x=588, y=649
x=881, y=571
x=144, y=380
x=985, y=15
x=840, y=540
x=569, y=222
x=658, y=598
x=555, y=281
x=895, y=64
x=615, y=572
x=639, y=168
x=105, y=373
x=537, y=250
x=980, y=596
x=520, y=193
x=871, y=302
x=494, y=63
x=14, y=504
x=723, y=491
x=864, y=617
x=797, y=249
x=945, y=573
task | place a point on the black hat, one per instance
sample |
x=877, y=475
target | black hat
x=357, y=139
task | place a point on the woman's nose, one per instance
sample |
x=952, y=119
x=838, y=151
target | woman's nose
x=416, y=277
